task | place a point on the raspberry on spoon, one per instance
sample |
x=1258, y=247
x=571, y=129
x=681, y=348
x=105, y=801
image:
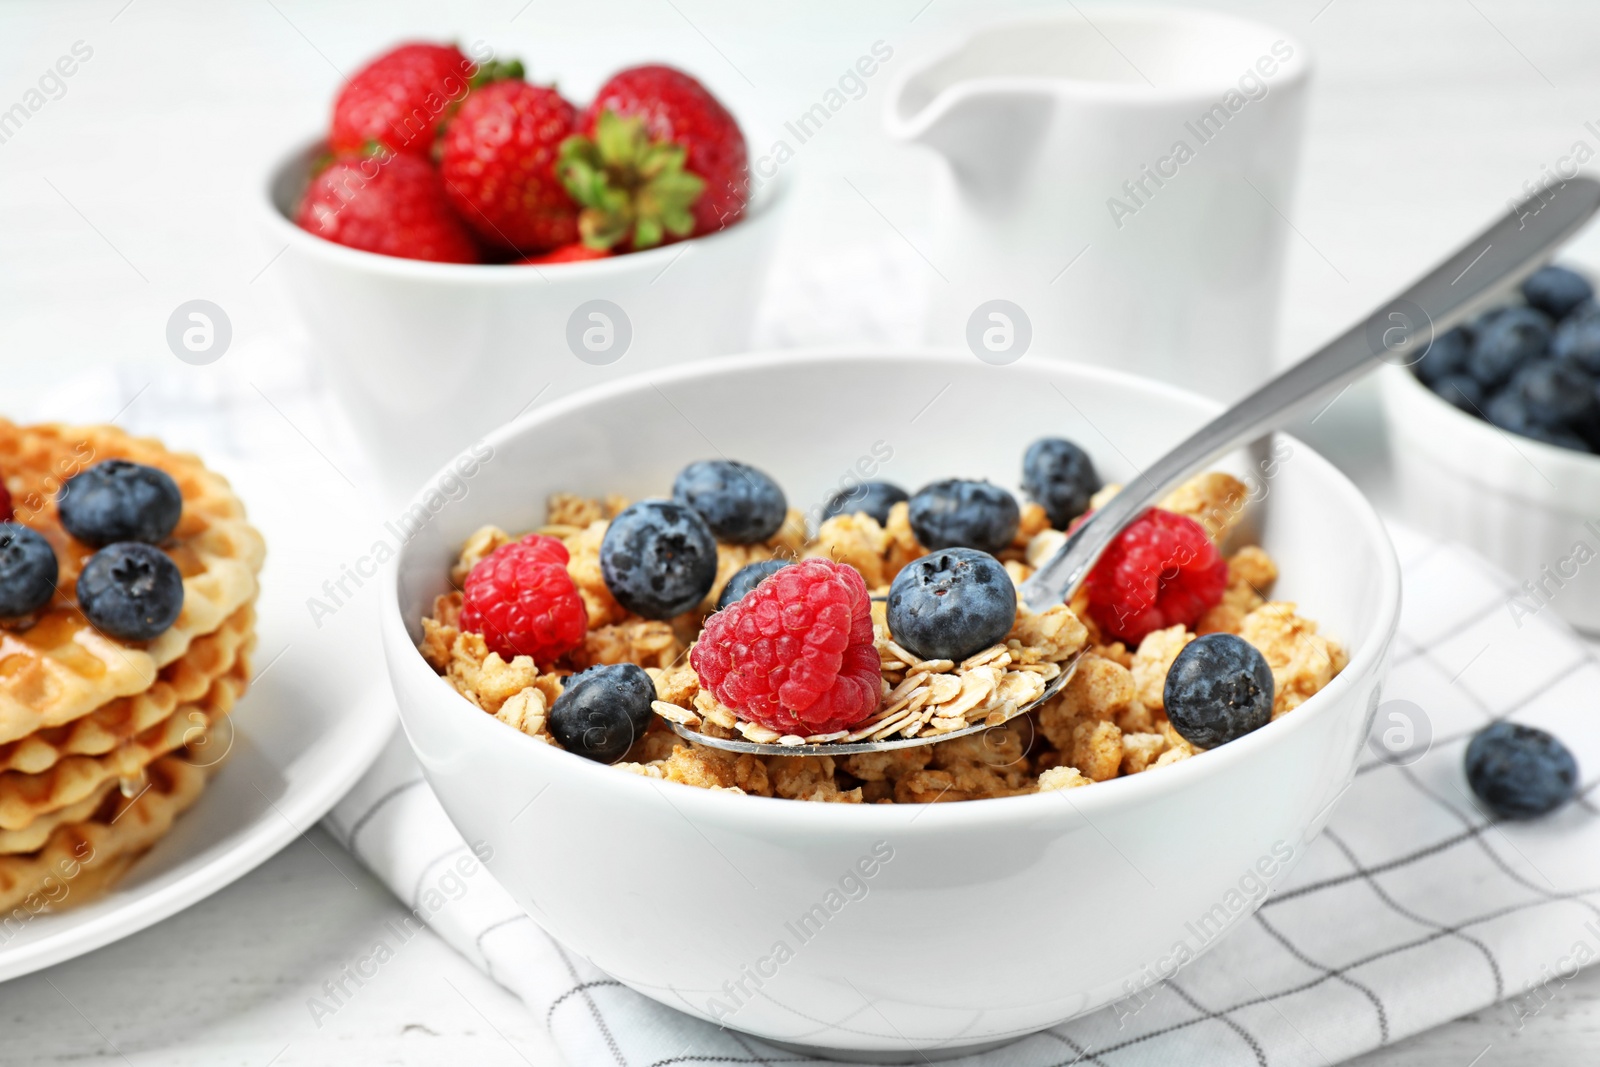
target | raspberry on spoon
x=795, y=654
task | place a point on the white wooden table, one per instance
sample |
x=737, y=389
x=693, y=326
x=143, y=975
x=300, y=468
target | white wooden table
x=121, y=196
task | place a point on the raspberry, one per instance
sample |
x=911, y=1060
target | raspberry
x=796, y=653
x=520, y=598
x=6, y=514
x=1161, y=571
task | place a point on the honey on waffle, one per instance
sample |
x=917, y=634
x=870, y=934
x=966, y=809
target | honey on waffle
x=59, y=668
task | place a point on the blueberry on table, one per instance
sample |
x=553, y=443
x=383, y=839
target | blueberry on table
x=1462, y=391
x=1520, y=772
x=1556, y=290
x=131, y=591
x=1577, y=339
x=1445, y=358
x=1060, y=477
x=747, y=578
x=1513, y=337
x=1218, y=689
x=120, y=501
x=742, y=505
x=951, y=604
x=28, y=570
x=602, y=711
x=658, y=558
x=870, y=498
x=962, y=514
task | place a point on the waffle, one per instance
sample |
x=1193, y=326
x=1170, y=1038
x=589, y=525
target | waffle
x=81, y=859
x=185, y=680
x=32, y=837
x=60, y=668
x=26, y=797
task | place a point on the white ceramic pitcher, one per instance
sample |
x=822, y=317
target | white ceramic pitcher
x=1119, y=185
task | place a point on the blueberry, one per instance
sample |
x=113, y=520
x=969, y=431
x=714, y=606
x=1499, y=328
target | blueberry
x=602, y=711
x=120, y=501
x=1446, y=357
x=658, y=558
x=1577, y=339
x=951, y=604
x=741, y=504
x=1558, y=437
x=1060, y=477
x=1506, y=411
x=1520, y=772
x=1513, y=337
x=747, y=578
x=28, y=570
x=1218, y=689
x=1510, y=412
x=131, y=591
x=1476, y=327
x=961, y=514
x=1554, y=394
x=871, y=498
x=1556, y=290
x=1462, y=390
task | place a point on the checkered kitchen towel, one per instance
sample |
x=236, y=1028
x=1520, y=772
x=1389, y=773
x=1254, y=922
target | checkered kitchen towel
x=1411, y=909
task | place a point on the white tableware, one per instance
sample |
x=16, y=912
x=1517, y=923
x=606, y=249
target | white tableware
x=426, y=357
x=1119, y=181
x=1532, y=508
x=314, y=719
x=944, y=926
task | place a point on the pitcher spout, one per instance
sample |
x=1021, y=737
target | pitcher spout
x=986, y=128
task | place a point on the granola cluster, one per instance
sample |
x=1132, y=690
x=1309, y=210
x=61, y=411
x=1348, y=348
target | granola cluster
x=1108, y=719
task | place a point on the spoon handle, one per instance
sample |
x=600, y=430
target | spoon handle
x=1501, y=255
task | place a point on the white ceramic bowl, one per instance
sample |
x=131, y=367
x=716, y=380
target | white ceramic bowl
x=427, y=357
x=981, y=920
x=1533, y=508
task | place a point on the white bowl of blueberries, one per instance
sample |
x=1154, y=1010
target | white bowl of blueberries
x=1495, y=437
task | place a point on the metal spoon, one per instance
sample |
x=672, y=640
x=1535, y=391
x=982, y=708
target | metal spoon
x=1449, y=294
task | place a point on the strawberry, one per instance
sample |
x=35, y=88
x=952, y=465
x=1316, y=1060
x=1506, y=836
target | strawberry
x=573, y=253
x=659, y=158
x=389, y=203
x=497, y=157
x=400, y=99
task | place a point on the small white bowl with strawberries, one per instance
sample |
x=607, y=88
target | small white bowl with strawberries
x=464, y=242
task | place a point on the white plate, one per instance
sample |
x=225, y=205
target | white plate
x=312, y=722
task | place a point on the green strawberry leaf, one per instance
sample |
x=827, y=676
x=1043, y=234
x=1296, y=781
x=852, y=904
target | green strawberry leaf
x=629, y=188
x=498, y=70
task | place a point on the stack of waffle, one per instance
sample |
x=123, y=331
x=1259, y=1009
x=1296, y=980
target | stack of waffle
x=103, y=743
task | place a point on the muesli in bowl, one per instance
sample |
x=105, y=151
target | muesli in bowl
x=896, y=616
